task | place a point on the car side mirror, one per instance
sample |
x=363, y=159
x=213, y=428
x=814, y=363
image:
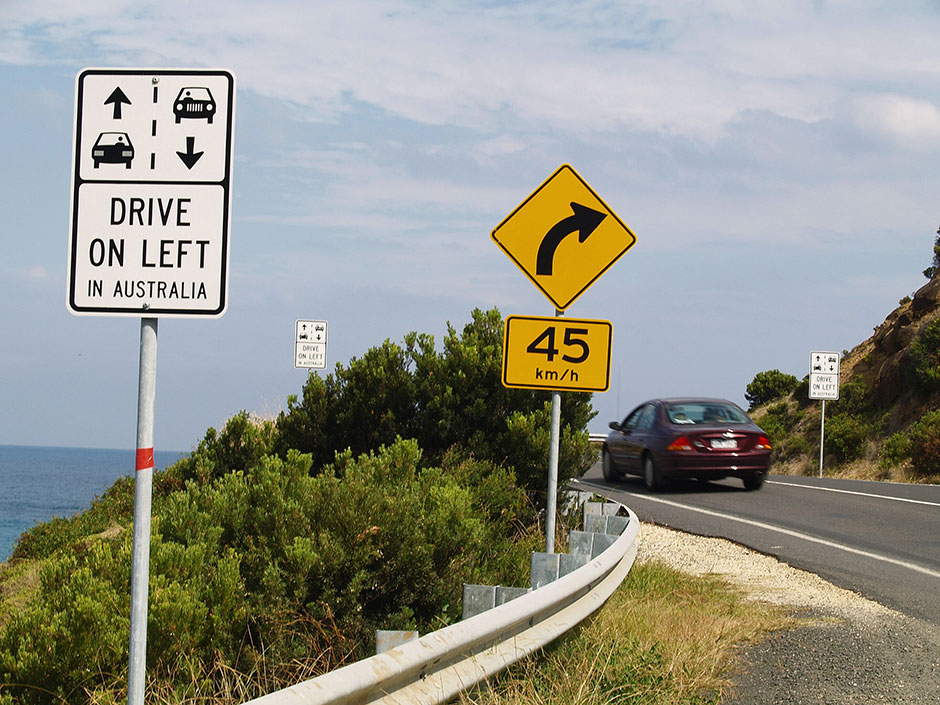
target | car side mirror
x=614, y=425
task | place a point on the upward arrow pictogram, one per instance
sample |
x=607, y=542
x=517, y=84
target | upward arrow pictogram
x=117, y=98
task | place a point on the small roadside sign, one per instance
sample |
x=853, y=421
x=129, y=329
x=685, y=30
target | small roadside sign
x=563, y=237
x=151, y=191
x=310, y=344
x=563, y=354
x=824, y=375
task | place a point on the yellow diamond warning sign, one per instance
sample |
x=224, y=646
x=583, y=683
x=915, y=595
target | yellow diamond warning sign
x=563, y=237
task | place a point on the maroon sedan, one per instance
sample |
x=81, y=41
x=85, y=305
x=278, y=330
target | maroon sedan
x=707, y=439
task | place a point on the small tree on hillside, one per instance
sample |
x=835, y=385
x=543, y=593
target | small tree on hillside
x=767, y=386
x=932, y=270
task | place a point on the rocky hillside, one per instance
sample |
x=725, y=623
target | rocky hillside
x=886, y=417
x=881, y=361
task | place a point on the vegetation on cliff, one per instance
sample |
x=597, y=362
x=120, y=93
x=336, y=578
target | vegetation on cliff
x=279, y=546
x=886, y=423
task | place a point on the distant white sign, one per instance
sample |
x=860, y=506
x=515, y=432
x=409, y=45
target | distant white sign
x=824, y=375
x=310, y=345
x=151, y=183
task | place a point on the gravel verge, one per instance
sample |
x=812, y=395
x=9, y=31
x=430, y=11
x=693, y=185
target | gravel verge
x=848, y=650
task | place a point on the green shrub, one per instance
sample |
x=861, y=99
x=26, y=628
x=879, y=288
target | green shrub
x=846, y=437
x=934, y=267
x=854, y=399
x=446, y=399
x=114, y=507
x=921, y=365
x=774, y=421
x=767, y=386
x=279, y=547
x=924, y=448
x=801, y=393
x=242, y=443
x=270, y=565
x=896, y=450
x=780, y=423
x=791, y=447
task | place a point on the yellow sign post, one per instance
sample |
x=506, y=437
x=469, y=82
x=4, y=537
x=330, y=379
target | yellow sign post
x=556, y=353
x=563, y=237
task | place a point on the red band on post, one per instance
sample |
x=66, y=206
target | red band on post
x=144, y=458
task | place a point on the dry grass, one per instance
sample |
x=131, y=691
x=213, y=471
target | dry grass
x=866, y=468
x=18, y=582
x=195, y=683
x=663, y=638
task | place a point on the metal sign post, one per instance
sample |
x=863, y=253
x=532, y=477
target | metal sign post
x=551, y=498
x=552, y=494
x=143, y=490
x=822, y=435
x=824, y=369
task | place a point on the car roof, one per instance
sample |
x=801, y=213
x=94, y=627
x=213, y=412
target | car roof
x=693, y=400
x=113, y=135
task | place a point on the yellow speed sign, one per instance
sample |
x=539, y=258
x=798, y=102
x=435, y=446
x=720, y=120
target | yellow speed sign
x=563, y=354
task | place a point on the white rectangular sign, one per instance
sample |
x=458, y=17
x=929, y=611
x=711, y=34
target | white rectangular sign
x=824, y=374
x=823, y=386
x=151, y=185
x=310, y=344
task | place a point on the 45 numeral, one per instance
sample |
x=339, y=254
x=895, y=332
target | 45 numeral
x=544, y=344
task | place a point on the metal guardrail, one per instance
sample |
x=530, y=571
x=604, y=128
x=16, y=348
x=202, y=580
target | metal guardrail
x=435, y=667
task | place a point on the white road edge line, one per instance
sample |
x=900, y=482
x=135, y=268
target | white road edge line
x=859, y=494
x=799, y=535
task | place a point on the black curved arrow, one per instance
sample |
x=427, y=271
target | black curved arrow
x=585, y=221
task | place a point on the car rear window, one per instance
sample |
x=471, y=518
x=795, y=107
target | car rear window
x=705, y=413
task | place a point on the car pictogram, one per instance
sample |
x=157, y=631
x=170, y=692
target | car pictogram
x=194, y=103
x=113, y=148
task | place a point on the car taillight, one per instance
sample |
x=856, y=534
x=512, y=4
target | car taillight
x=681, y=443
x=764, y=443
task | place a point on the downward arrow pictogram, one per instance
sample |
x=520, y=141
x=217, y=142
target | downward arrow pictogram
x=189, y=157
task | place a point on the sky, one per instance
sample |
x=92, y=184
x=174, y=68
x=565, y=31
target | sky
x=777, y=163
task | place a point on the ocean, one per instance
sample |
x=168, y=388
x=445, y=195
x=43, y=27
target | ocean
x=39, y=483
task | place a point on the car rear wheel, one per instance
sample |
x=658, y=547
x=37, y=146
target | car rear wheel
x=651, y=476
x=611, y=474
x=754, y=482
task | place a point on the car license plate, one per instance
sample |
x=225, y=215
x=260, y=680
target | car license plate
x=723, y=444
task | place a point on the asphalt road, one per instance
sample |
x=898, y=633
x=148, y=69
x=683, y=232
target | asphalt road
x=881, y=540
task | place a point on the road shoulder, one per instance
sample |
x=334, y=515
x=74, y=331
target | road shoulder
x=847, y=649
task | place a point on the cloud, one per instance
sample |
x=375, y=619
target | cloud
x=579, y=67
x=910, y=122
x=35, y=274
